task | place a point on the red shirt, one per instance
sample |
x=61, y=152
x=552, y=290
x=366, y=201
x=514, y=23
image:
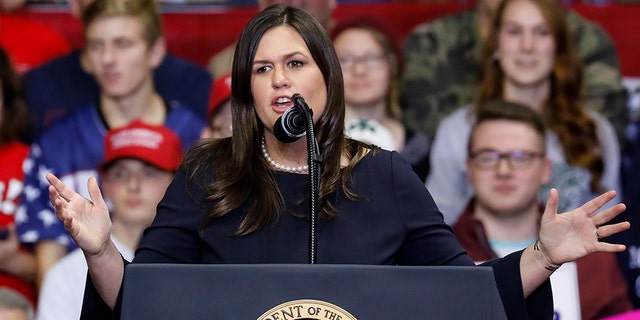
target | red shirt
x=12, y=157
x=30, y=43
x=602, y=290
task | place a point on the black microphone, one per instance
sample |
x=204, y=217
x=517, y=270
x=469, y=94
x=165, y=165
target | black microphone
x=292, y=125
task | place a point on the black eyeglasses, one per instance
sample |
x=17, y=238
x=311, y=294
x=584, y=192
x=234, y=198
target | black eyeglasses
x=517, y=159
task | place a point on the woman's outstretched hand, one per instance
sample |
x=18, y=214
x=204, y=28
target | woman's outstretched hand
x=87, y=221
x=571, y=235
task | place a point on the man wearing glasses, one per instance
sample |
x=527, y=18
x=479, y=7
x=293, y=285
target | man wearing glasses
x=507, y=166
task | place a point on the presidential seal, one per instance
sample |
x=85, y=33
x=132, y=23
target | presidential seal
x=306, y=309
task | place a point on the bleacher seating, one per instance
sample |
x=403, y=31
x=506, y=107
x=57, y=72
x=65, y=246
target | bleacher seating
x=197, y=32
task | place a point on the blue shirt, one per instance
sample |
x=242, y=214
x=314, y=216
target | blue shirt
x=61, y=85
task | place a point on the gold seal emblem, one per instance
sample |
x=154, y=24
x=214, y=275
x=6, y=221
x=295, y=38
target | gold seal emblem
x=306, y=309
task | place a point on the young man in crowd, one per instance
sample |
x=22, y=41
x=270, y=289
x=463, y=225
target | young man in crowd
x=66, y=83
x=507, y=166
x=123, y=45
x=219, y=114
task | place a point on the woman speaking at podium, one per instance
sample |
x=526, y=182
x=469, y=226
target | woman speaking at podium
x=244, y=199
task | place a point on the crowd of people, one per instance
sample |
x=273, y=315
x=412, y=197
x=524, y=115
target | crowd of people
x=413, y=134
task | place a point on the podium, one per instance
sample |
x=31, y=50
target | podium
x=316, y=291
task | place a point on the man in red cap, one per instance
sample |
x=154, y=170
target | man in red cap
x=124, y=47
x=219, y=113
x=138, y=165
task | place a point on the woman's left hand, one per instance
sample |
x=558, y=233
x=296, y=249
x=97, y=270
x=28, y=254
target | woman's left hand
x=571, y=235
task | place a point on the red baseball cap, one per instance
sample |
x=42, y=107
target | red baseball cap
x=156, y=145
x=220, y=92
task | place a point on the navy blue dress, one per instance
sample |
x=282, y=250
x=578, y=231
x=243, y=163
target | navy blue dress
x=395, y=222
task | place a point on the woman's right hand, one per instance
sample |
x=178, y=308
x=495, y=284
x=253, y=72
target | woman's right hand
x=87, y=221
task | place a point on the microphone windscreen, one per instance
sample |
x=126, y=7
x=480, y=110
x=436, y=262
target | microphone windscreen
x=281, y=134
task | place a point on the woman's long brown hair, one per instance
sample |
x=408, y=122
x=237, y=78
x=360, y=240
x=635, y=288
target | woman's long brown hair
x=14, y=110
x=564, y=111
x=233, y=172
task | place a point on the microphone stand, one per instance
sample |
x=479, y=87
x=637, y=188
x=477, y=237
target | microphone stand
x=315, y=167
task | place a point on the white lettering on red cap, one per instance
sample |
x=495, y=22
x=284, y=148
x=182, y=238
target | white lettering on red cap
x=136, y=137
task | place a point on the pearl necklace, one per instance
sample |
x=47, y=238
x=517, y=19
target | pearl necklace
x=278, y=166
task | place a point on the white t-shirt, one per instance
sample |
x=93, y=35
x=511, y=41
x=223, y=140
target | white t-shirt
x=371, y=132
x=62, y=289
x=564, y=281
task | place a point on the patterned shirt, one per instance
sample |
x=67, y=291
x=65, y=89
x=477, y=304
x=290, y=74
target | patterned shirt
x=71, y=149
